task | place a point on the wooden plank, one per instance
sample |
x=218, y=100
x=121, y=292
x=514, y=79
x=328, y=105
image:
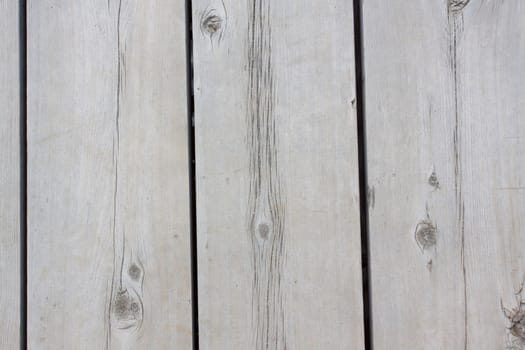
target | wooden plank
x=9, y=176
x=445, y=163
x=109, y=252
x=277, y=178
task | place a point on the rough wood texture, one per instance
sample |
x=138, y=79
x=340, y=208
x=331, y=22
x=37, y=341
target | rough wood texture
x=9, y=176
x=444, y=109
x=277, y=184
x=109, y=257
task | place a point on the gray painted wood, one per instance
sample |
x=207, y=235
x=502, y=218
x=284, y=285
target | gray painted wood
x=9, y=176
x=444, y=110
x=277, y=183
x=108, y=240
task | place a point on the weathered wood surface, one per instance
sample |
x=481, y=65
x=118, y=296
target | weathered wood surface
x=9, y=176
x=444, y=106
x=277, y=183
x=108, y=221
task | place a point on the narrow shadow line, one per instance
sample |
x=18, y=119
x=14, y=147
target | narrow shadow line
x=363, y=180
x=192, y=181
x=22, y=30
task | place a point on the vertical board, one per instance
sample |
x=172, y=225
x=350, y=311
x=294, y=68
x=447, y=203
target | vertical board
x=9, y=176
x=444, y=114
x=108, y=206
x=277, y=179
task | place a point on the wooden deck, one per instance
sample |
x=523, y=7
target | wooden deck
x=262, y=174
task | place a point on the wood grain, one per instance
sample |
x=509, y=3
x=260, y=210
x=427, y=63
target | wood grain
x=265, y=204
x=443, y=116
x=9, y=176
x=277, y=184
x=108, y=240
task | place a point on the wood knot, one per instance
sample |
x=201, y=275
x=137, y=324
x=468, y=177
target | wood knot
x=211, y=24
x=264, y=230
x=426, y=235
x=127, y=309
x=433, y=180
x=516, y=320
x=134, y=272
x=456, y=6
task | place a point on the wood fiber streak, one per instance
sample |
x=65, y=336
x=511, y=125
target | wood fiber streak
x=455, y=22
x=266, y=204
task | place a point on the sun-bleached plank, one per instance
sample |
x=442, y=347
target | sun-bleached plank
x=445, y=163
x=108, y=206
x=9, y=175
x=277, y=179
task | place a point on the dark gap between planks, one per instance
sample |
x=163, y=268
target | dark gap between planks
x=363, y=184
x=22, y=30
x=192, y=180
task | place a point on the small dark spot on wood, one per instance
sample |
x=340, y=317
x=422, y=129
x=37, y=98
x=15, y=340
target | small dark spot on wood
x=353, y=102
x=134, y=307
x=429, y=265
x=264, y=230
x=371, y=197
x=134, y=272
x=433, y=180
x=426, y=235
